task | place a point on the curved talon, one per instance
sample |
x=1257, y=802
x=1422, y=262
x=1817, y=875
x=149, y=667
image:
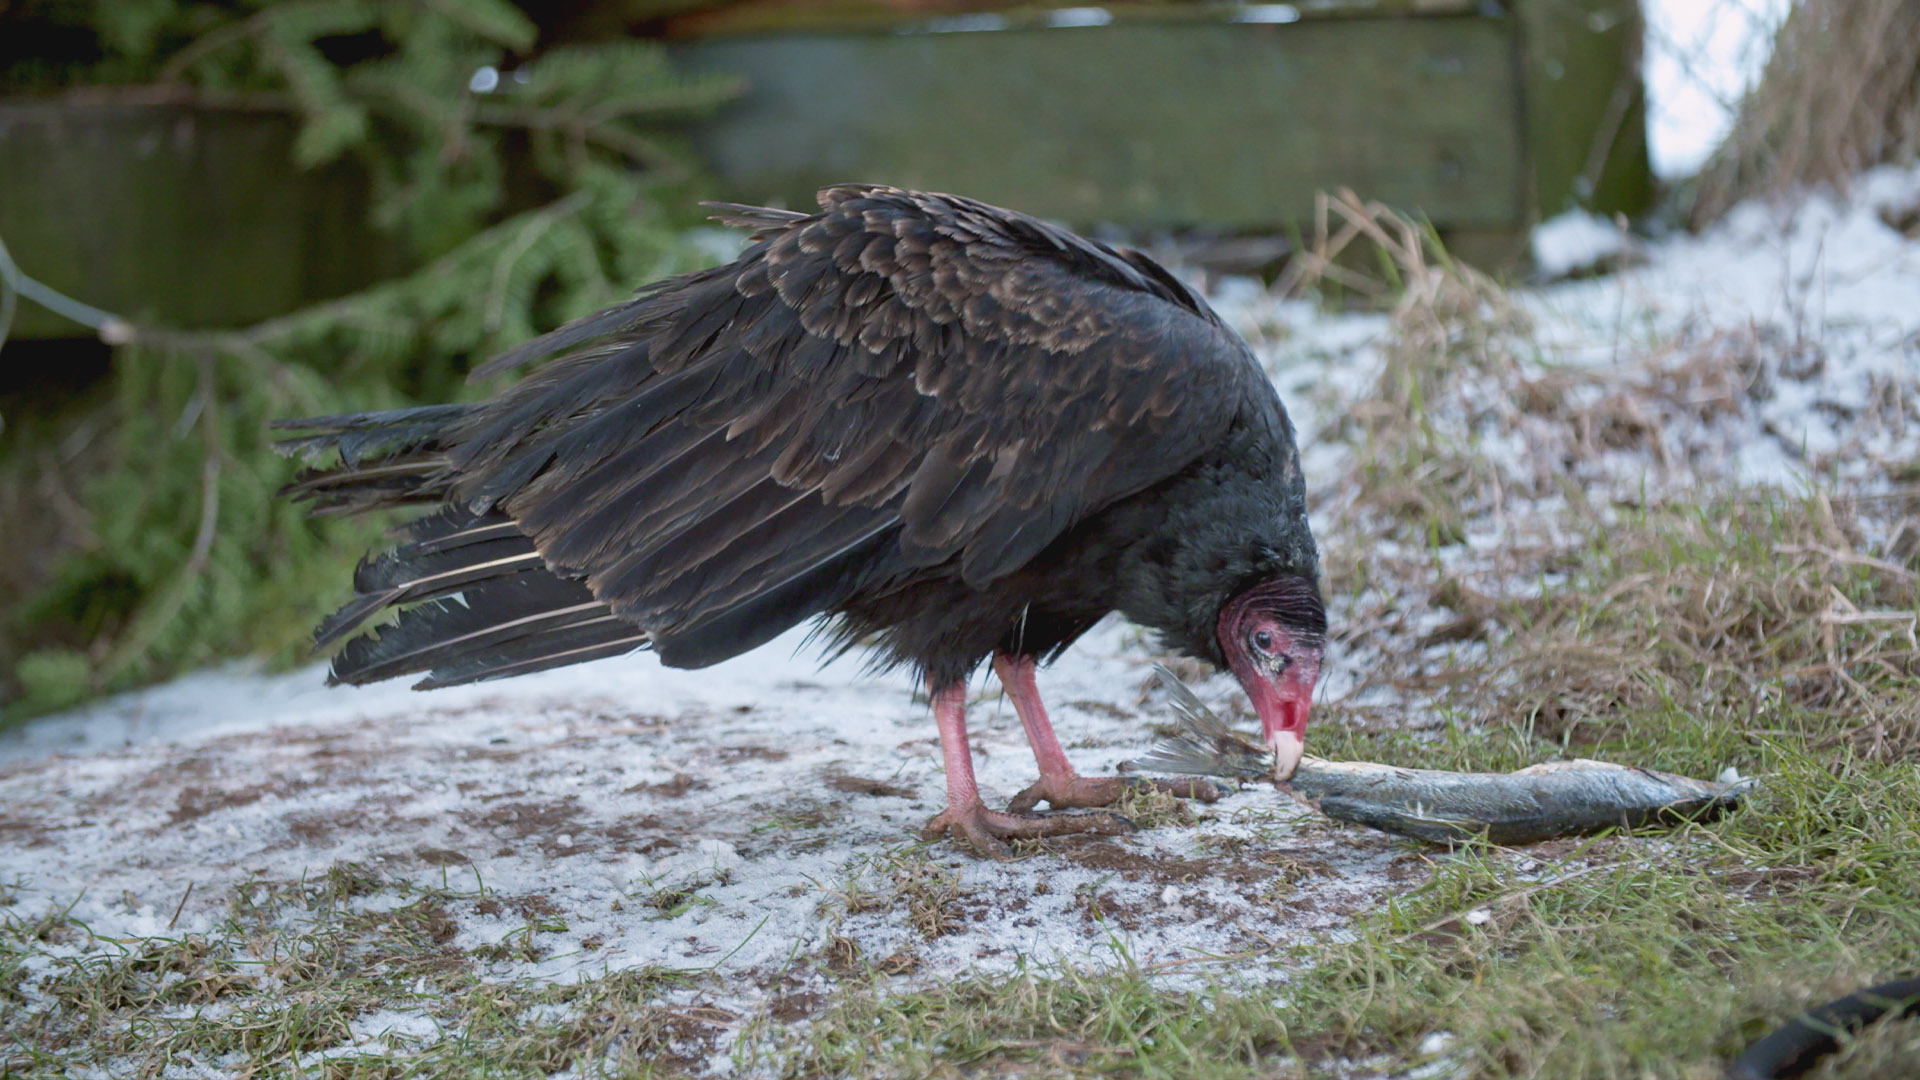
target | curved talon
x=984, y=829
x=1093, y=791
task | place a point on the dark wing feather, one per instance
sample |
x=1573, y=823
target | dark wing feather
x=500, y=623
x=897, y=381
x=475, y=601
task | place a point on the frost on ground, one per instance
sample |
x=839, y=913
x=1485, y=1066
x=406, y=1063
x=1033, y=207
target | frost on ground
x=753, y=821
x=749, y=827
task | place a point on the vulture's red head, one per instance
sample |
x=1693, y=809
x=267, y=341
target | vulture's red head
x=1272, y=635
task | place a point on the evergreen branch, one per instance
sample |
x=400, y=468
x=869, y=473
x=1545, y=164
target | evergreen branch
x=209, y=43
x=507, y=231
x=152, y=588
x=134, y=646
x=498, y=22
x=14, y=284
x=530, y=234
x=400, y=95
x=520, y=230
x=631, y=145
x=259, y=26
x=688, y=97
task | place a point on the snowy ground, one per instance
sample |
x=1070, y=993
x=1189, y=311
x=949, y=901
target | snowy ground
x=668, y=818
x=756, y=819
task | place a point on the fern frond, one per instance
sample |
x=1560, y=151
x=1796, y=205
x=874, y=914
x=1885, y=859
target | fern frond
x=494, y=20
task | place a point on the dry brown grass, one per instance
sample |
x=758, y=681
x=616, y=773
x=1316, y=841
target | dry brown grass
x=1451, y=322
x=1620, y=584
x=1602, y=604
x=1840, y=94
x=1432, y=294
x=1740, y=606
x=932, y=893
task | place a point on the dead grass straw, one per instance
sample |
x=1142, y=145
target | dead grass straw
x=1840, y=94
x=1609, y=607
x=1450, y=323
x=1747, y=606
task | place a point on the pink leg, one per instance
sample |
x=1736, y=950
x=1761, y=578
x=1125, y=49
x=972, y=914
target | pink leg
x=1059, y=785
x=1016, y=677
x=950, y=713
x=966, y=817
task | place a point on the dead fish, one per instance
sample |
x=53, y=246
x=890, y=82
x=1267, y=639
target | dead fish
x=1558, y=798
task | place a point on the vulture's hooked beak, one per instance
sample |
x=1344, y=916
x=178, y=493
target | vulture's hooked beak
x=1282, y=693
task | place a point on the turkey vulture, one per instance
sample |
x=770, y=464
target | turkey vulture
x=951, y=430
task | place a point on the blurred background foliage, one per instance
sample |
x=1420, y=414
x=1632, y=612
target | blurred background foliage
x=520, y=185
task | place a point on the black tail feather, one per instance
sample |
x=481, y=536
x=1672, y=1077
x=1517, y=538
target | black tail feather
x=475, y=601
x=355, y=490
x=575, y=645
x=368, y=435
x=394, y=578
x=498, y=621
x=390, y=458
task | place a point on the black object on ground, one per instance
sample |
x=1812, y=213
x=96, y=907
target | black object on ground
x=1797, y=1047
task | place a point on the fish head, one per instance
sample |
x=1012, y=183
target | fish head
x=1273, y=636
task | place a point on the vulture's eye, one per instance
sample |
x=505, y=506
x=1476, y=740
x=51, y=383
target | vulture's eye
x=1263, y=640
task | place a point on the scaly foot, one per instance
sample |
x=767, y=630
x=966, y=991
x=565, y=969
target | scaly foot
x=1085, y=791
x=986, y=830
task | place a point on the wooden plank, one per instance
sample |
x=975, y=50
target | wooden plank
x=1153, y=124
x=707, y=18
x=191, y=216
x=1586, y=109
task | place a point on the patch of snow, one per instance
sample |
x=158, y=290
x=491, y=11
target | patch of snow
x=1436, y=1043
x=392, y=1027
x=1815, y=308
x=623, y=815
x=1266, y=13
x=983, y=22
x=1573, y=242
x=1079, y=16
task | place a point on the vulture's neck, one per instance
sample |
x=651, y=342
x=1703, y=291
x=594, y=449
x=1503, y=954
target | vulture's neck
x=1235, y=518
